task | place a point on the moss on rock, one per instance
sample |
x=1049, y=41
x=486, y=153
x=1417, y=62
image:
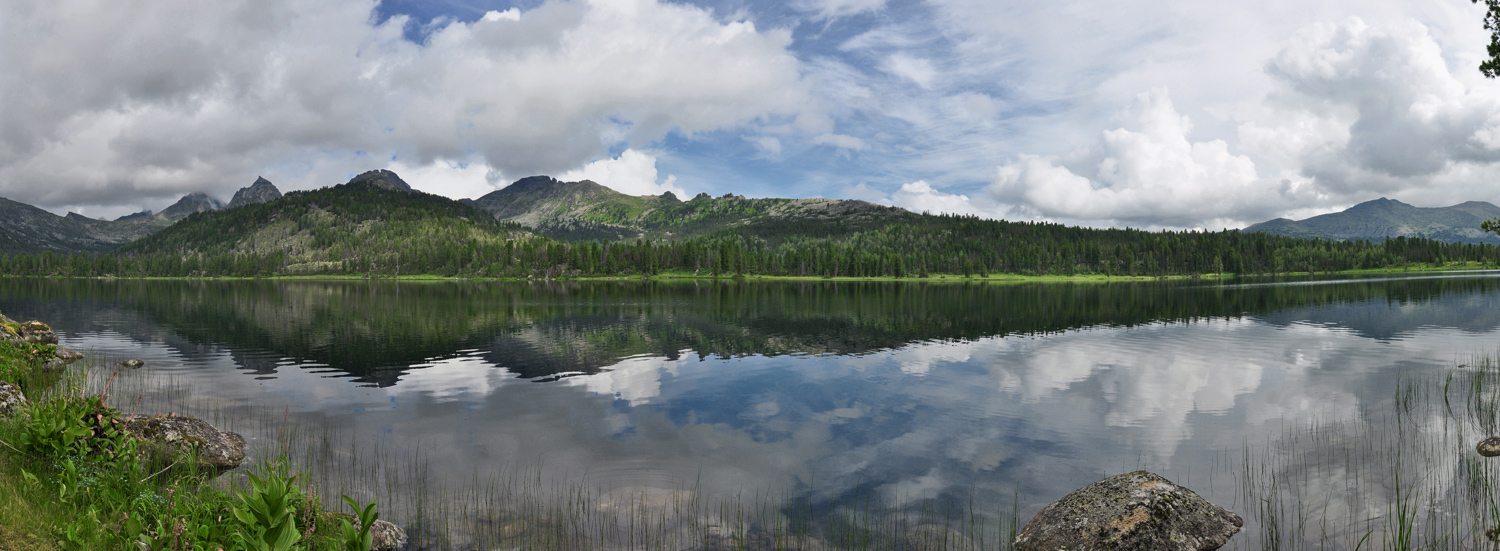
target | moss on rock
x=1137, y=510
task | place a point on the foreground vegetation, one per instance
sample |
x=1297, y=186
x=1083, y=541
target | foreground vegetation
x=72, y=478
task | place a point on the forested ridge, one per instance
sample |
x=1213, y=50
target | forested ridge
x=356, y=229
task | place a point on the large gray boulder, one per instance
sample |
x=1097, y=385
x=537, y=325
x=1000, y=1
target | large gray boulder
x=1138, y=510
x=11, y=399
x=385, y=536
x=171, y=438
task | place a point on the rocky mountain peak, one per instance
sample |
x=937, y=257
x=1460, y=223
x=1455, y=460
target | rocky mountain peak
x=262, y=191
x=189, y=204
x=381, y=179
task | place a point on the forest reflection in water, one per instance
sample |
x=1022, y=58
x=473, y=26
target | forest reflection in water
x=825, y=391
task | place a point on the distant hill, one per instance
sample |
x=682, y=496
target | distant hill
x=374, y=222
x=587, y=210
x=25, y=229
x=1376, y=220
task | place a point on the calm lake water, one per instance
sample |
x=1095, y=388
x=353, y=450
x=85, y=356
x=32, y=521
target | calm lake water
x=999, y=395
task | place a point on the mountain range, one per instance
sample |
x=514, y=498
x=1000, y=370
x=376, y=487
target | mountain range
x=585, y=210
x=1381, y=218
x=581, y=210
x=378, y=225
x=25, y=229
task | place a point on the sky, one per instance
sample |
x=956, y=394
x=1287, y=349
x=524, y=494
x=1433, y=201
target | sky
x=1202, y=114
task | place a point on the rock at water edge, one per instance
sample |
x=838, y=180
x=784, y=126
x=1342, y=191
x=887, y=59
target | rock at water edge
x=385, y=536
x=36, y=332
x=1138, y=510
x=1489, y=447
x=219, y=450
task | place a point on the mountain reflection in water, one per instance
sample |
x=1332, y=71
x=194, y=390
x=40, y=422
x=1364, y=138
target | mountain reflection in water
x=1004, y=392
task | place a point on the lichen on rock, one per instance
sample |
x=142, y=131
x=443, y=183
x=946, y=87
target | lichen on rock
x=11, y=399
x=386, y=536
x=1137, y=510
x=36, y=332
x=171, y=438
x=1489, y=447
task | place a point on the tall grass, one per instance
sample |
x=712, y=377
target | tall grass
x=1400, y=474
x=1404, y=475
x=519, y=507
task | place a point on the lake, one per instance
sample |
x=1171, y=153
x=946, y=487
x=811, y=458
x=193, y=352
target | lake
x=1299, y=404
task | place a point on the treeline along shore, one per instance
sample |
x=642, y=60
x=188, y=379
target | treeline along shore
x=367, y=229
x=936, y=245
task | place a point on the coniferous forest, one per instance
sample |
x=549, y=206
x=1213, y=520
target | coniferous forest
x=363, y=230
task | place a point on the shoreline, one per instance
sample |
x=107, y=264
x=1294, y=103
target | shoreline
x=1473, y=267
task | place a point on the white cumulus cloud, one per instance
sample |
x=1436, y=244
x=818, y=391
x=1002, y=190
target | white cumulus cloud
x=1145, y=172
x=632, y=173
x=111, y=103
x=1366, y=110
x=919, y=196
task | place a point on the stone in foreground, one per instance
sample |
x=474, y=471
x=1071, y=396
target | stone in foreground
x=1489, y=447
x=1139, y=510
x=36, y=332
x=11, y=399
x=176, y=436
x=385, y=536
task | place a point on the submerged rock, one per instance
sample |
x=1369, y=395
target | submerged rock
x=171, y=438
x=720, y=538
x=11, y=399
x=61, y=358
x=936, y=537
x=1138, y=510
x=1489, y=447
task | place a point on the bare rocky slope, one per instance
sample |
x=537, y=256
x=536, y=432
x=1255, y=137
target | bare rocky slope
x=587, y=210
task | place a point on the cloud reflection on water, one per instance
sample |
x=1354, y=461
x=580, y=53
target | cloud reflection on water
x=1027, y=415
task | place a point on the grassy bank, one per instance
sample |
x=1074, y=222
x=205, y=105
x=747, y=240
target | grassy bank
x=72, y=479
